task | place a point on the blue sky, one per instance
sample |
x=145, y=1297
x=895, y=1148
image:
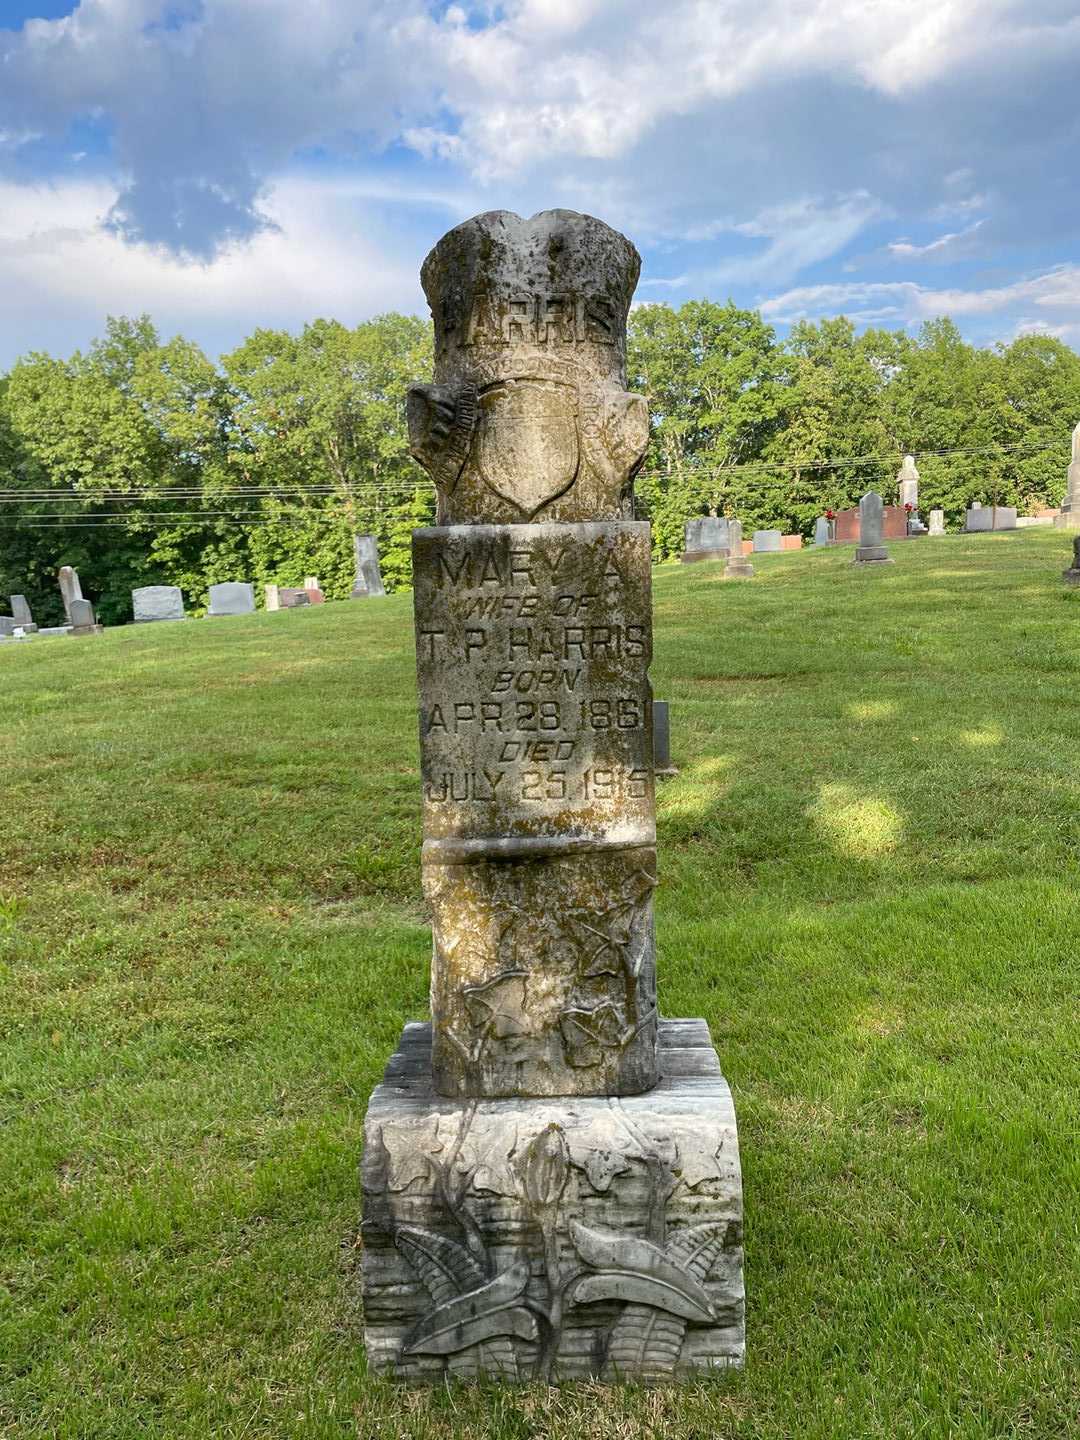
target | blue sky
x=225, y=164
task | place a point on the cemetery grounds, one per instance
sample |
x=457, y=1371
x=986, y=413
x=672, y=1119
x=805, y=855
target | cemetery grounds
x=211, y=933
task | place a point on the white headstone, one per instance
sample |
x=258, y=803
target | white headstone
x=907, y=480
x=232, y=598
x=937, y=522
x=157, y=602
x=369, y=579
x=767, y=540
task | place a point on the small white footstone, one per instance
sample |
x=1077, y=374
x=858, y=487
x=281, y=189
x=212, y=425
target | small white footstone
x=555, y=1238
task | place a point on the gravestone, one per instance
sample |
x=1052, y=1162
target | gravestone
x=20, y=613
x=870, y=550
x=1072, y=575
x=937, y=522
x=706, y=538
x=272, y=597
x=737, y=567
x=663, y=769
x=233, y=597
x=157, y=602
x=314, y=595
x=765, y=541
x=311, y=582
x=83, y=619
x=822, y=531
x=981, y=518
x=292, y=597
x=1068, y=517
x=368, y=576
x=7, y=625
x=550, y=1172
x=70, y=589
x=907, y=482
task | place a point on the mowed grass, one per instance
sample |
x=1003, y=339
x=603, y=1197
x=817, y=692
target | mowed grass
x=211, y=932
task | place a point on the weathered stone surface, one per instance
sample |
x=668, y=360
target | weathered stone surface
x=907, y=482
x=870, y=549
x=1072, y=575
x=21, y=614
x=70, y=589
x=529, y=416
x=234, y=597
x=83, y=620
x=738, y=567
x=766, y=541
x=990, y=517
x=708, y=537
x=533, y=647
x=369, y=579
x=592, y=1228
x=7, y=625
x=822, y=531
x=480, y=1217
x=937, y=522
x=157, y=602
x=661, y=718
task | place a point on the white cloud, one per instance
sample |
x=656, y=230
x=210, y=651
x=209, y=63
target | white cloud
x=905, y=250
x=1057, y=290
x=63, y=271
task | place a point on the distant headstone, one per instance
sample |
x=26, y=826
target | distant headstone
x=311, y=582
x=20, y=613
x=737, y=566
x=937, y=522
x=234, y=597
x=1068, y=517
x=822, y=531
x=7, y=625
x=1072, y=575
x=767, y=541
x=708, y=537
x=907, y=482
x=157, y=602
x=661, y=720
x=291, y=597
x=83, y=619
x=272, y=598
x=870, y=550
x=70, y=589
x=314, y=595
x=368, y=575
x=990, y=517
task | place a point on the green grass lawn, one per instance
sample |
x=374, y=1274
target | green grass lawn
x=211, y=933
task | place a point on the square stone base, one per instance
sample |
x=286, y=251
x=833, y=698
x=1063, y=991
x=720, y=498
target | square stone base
x=554, y=1239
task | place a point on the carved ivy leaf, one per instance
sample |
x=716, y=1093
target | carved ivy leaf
x=490, y=1161
x=588, y=1033
x=699, y=1160
x=491, y=1309
x=499, y=1003
x=603, y=1149
x=600, y=1166
x=631, y=1269
x=409, y=1146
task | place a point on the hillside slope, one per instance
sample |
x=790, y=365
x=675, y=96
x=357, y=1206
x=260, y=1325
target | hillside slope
x=211, y=933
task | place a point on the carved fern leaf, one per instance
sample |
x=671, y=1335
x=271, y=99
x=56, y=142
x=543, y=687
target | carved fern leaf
x=647, y=1342
x=446, y=1269
x=491, y=1310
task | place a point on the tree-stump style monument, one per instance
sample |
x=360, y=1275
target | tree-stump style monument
x=551, y=1172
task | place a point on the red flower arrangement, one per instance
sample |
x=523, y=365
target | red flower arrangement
x=909, y=507
x=830, y=514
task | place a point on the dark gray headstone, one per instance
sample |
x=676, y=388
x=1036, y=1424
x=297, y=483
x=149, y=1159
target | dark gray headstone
x=1072, y=575
x=871, y=549
x=662, y=740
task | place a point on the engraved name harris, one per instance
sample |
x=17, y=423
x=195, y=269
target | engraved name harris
x=540, y=748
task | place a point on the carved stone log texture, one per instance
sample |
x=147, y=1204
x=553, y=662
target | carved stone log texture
x=529, y=417
x=533, y=647
x=542, y=1198
x=533, y=1239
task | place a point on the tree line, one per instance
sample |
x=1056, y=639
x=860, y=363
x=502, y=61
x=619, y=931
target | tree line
x=263, y=465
